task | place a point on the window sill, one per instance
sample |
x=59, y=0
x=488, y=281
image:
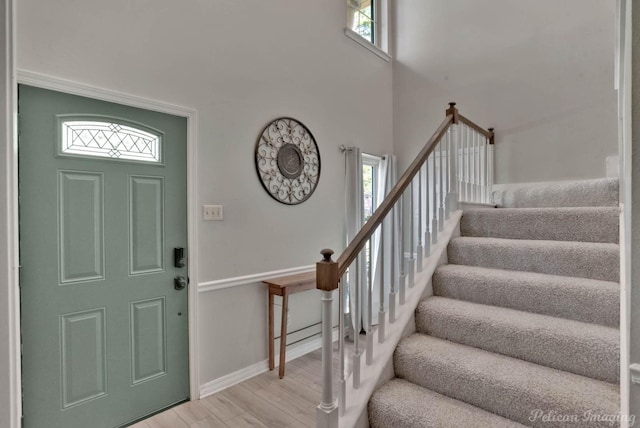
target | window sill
x=366, y=44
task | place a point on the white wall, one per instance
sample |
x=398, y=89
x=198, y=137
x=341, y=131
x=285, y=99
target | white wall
x=540, y=72
x=240, y=64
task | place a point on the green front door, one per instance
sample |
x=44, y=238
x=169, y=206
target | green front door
x=102, y=206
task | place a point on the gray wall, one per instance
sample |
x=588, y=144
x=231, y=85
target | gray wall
x=540, y=72
x=240, y=64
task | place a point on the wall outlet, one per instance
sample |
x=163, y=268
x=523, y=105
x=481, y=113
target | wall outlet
x=212, y=212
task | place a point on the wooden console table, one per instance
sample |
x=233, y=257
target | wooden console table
x=284, y=286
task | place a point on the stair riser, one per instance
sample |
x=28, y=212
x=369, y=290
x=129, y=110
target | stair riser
x=579, y=348
x=587, y=225
x=569, y=298
x=596, y=261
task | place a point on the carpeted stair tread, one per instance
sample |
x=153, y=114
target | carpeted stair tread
x=588, y=224
x=563, y=258
x=580, y=299
x=506, y=386
x=585, y=193
x=401, y=404
x=573, y=346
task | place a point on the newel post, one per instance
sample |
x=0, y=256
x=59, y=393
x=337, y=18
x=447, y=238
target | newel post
x=327, y=281
x=452, y=156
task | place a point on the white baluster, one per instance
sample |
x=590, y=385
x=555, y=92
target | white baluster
x=434, y=208
x=381, y=312
x=490, y=173
x=472, y=164
x=392, y=292
x=483, y=171
x=442, y=178
x=427, y=233
x=460, y=158
x=403, y=263
x=357, y=325
x=369, y=359
x=412, y=261
x=487, y=195
x=469, y=147
x=419, y=248
x=342, y=383
x=452, y=197
x=447, y=173
x=477, y=169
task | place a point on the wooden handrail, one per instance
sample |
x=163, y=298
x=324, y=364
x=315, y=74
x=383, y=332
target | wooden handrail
x=358, y=242
x=487, y=133
x=329, y=272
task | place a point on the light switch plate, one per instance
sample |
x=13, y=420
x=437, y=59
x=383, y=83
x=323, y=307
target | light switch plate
x=212, y=212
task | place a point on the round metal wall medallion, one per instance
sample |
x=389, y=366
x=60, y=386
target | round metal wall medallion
x=287, y=161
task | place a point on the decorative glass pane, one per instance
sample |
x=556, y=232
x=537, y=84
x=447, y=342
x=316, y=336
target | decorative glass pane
x=109, y=140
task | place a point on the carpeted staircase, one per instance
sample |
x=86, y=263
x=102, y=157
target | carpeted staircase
x=523, y=325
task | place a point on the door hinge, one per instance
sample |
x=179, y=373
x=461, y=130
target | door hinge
x=635, y=373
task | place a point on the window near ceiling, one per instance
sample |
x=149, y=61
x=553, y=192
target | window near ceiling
x=367, y=25
x=362, y=18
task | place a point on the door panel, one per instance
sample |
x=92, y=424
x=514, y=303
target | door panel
x=80, y=217
x=148, y=338
x=146, y=206
x=105, y=334
x=83, y=379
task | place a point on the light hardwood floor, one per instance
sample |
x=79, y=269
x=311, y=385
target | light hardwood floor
x=262, y=401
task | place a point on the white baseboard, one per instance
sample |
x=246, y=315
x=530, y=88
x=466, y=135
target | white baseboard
x=295, y=351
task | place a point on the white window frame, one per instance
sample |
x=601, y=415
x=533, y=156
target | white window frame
x=374, y=162
x=380, y=45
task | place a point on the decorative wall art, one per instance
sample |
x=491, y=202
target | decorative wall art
x=287, y=161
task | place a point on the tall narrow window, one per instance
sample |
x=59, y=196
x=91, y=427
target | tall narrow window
x=370, y=180
x=361, y=19
x=367, y=25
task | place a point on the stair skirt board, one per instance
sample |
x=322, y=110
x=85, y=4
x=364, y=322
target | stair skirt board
x=523, y=325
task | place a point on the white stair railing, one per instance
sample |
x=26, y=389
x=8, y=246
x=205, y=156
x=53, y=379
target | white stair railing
x=454, y=166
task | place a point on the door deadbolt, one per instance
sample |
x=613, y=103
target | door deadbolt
x=180, y=282
x=178, y=257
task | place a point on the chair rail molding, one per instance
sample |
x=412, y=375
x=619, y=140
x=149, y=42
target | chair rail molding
x=256, y=278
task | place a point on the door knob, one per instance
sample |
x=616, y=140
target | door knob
x=180, y=282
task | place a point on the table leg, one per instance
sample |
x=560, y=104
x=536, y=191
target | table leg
x=272, y=360
x=283, y=332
